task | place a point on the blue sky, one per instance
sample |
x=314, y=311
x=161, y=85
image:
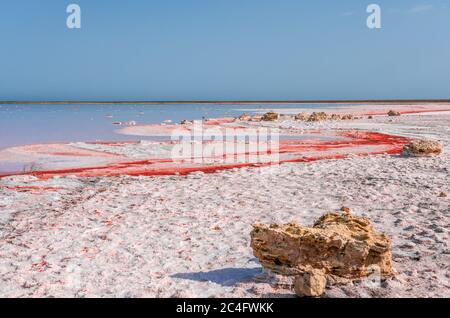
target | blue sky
x=224, y=50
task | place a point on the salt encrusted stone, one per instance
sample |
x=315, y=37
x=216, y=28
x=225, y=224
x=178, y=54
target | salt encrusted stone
x=270, y=116
x=394, y=113
x=311, y=283
x=423, y=147
x=302, y=116
x=339, y=244
x=244, y=117
x=318, y=116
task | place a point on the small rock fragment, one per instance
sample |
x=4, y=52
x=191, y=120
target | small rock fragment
x=302, y=116
x=345, y=209
x=347, y=117
x=310, y=284
x=394, y=113
x=423, y=147
x=244, y=117
x=335, y=117
x=270, y=116
x=321, y=116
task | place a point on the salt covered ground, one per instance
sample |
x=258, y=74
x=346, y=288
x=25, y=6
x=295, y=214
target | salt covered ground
x=188, y=236
x=369, y=109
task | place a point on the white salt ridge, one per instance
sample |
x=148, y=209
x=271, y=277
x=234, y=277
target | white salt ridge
x=142, y=150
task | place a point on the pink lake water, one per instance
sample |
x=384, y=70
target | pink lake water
x=37, y=124
x=31, y=124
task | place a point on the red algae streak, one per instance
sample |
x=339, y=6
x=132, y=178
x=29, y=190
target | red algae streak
x=350, y=143
x=354, y=139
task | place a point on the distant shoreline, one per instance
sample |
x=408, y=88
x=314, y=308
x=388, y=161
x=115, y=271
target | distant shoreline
x=242, y=102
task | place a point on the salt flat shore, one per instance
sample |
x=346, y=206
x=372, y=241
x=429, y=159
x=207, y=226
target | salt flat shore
x=188, y=236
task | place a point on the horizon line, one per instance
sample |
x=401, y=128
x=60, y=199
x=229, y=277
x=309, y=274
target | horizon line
x=355, y=101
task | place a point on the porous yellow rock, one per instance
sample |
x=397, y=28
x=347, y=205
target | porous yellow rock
x=335, y=117
x=270, y=116
x=320, y=116
x=347, y=117
x=394, y=113
x=423, y=147
x=302, y=116
x=338, y=244
x=244, y=117
x=311, y=283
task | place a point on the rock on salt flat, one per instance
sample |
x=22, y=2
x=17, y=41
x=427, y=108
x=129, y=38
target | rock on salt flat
x=188, y=236
x=145, y=236
x=338, y=244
